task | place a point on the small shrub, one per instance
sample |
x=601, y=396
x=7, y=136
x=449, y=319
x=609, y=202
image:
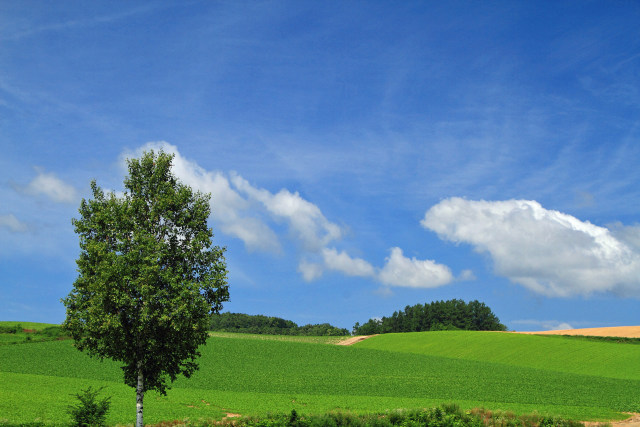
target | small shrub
x=90, y=411
x=11, y=329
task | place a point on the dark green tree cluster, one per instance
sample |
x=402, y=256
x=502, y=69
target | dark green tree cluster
x=259, y=324
x=454, y=314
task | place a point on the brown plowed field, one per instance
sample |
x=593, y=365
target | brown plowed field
x=616, y=331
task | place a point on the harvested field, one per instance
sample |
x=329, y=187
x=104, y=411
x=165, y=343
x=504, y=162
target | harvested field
x=616, y=331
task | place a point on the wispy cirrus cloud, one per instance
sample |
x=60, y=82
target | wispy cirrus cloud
x=547, y=251
x=12, y=223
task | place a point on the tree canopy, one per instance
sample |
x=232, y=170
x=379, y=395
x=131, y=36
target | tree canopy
x=453, y=314
x=260, y=324
x=148, y=276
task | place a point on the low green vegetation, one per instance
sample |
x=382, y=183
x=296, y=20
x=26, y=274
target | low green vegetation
x=16, y=332
x=552, y=353
x=445, y=415
x=259, y=324
x=258, y=375
x=326, y=339
x=451, y=315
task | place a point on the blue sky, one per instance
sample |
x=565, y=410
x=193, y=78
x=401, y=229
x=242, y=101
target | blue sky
x=362, y=156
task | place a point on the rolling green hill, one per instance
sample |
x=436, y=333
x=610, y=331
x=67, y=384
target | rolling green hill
x=246, y=375
x=554, y=353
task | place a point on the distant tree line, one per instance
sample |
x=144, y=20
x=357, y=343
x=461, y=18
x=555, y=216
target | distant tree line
x=259, y=324
x=454, y=314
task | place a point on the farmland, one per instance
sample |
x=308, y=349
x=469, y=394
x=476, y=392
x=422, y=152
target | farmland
x=257, y=375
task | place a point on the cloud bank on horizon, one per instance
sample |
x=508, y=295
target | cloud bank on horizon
x=548, y=252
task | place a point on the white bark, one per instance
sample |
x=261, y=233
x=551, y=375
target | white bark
x=139, y=397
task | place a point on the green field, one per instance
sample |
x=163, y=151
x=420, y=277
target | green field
x=550, y=352
x=256, y=375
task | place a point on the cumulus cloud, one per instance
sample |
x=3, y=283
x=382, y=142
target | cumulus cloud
x=12, y=223
x=547, y=251
x=50, y=185
x=305, y=219
x=310, y=271
x=413, y=273
x=234, y=206
x=229, y=209
x=245, y=211
x=341, y=261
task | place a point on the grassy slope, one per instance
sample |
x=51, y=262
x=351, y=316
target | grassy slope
x=28, y=325
x=253, y=375
x=557, y=353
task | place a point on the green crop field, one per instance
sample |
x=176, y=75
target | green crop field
x=555, y=353
x=256, y=375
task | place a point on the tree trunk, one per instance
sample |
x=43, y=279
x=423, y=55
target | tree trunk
x=139, y=397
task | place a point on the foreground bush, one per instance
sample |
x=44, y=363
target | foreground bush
x=90, y=411
x=447, y=415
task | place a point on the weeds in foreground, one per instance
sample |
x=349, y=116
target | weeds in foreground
x=446, y=415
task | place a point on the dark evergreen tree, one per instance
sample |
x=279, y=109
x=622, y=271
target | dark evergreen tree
x=454, y=314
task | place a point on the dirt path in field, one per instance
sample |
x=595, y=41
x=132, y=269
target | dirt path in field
x=634, y=421
x=354, y=340
x=616, y=331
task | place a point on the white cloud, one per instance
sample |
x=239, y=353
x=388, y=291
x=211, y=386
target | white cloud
x=306, y=221
x=243, y=210
x=413, y=273
x=231, y=212
x=12, y=223
x=628, y=234
x=51, y=186
x=234, y=206
x=547, y=251
x=310, y=271
x=341, y=261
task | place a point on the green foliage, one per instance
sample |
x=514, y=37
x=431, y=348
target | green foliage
x=259, y=324
x=148, y=276
x=14, y=332
x=325, y=339
x=12, y=329
x=449, y=315
x=32, y=326
x=90, y=411
x=445, y=415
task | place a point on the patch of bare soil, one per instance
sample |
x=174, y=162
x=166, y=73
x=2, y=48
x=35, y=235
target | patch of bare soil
x=616, y=331
x=633, y=421
x=354, y=340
